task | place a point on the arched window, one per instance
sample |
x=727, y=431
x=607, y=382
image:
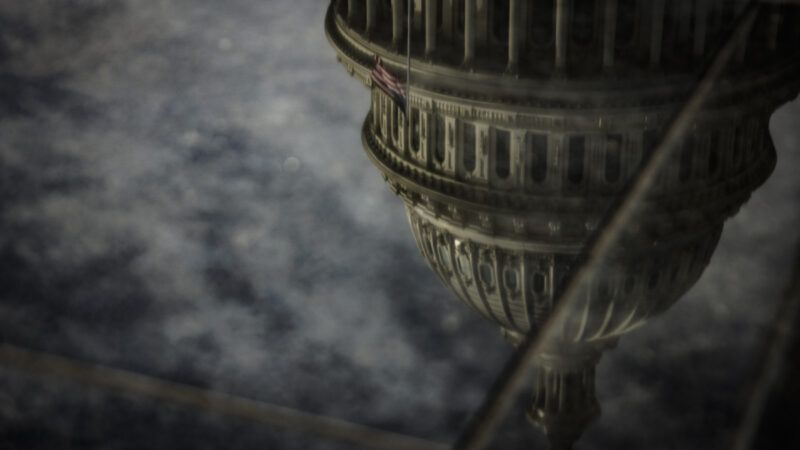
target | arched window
x=439, y=139
x=444, y=256
x=537, y=144
x=500, y=23
x=464, y=266
x=428, y=246
x=543, y=21
x=486, y=273
x=450, y=134
x=577, y=151
x=626, y=22
x=648, y=145
x=583, y=22
x=469, y=147
x=613, y=157
x=510, y=279
x=502, y=144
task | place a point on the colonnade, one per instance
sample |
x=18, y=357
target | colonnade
x=472, y=21
x=521, y=159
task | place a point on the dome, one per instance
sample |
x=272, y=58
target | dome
x=525, y=122
x=507, y=164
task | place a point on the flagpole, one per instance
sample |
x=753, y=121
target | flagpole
x=408, y=76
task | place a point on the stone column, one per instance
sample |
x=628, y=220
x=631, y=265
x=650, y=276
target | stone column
x=372, y=15
x=514, y=18
x=657, y=32
x=397, y=23
x=700, y=12
x=469, y=31
x=430, y=27
x=562, y=33
x=609, y=33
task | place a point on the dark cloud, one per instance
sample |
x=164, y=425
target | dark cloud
x=184, y=194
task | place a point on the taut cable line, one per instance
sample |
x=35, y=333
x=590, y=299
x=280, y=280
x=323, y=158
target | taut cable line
x=144, y=386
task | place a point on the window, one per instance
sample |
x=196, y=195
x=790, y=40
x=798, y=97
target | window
x=414, y=130
x=502, y=144
x=444, y=256
x=500, y=18
x=450, y=135
x=486, y=274
x=469, y=147
x=648, y=146
x=543, y=21
x=428, y=245
x=510, y=279
x=464, y=265
x=613, y=157
x=439, y=139
x=577, y=151
x=626, y=22
x=537, y=144
x=583, y=20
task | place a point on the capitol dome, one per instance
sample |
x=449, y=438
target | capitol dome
x=528, y=118
x=524, y=123
x=557, y=145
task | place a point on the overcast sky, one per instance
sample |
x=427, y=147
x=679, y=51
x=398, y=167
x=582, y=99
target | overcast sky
x=184, y=194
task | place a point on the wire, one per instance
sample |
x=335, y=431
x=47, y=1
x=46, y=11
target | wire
x=139, y=385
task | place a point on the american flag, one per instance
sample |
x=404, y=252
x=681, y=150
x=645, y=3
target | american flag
x=388, y=83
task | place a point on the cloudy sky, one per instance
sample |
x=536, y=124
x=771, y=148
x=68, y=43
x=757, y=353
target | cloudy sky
x=183, y=194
